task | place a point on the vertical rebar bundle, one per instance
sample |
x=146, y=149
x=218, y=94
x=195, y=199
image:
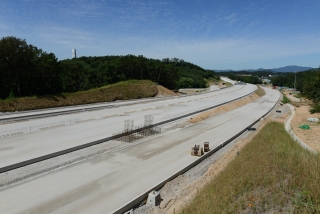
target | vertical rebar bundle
x=130, y=134
x=148, y=120
x=128, y=125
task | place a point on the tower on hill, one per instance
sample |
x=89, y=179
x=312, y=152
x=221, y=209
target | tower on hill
x=74, y=53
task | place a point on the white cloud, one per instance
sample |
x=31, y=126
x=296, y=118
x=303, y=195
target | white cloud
x=221, y=52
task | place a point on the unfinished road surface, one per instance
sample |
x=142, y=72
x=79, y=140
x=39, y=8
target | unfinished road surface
x=110, y=180
x=45, y=136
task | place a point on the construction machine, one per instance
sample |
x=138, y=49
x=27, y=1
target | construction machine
x=206, y=147
x=196, y=150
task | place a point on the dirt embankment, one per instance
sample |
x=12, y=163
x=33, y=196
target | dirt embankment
x=312, y=136
x=221, y=109
x=164, y=92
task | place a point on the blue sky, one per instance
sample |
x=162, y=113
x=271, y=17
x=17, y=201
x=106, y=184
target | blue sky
x=212, y=34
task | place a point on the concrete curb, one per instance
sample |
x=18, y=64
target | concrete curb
x=132, y=204
x=287, y=125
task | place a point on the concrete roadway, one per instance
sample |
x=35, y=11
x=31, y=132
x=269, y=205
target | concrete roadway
x=107, y=182
x=228, y=80
x=8, y=115
x=14, y=149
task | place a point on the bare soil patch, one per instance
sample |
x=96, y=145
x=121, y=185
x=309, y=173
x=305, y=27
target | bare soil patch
x=164, y=92
x=310, y=137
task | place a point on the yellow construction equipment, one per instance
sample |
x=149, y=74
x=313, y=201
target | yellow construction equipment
x=196, y=150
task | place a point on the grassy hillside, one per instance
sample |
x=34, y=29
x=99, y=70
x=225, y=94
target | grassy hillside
x=126, y=90
x=272, y=174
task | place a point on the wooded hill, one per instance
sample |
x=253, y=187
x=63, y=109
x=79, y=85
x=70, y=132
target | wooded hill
x=26, y=70
x=257, y=73
x=307, y=82
x=91, y=72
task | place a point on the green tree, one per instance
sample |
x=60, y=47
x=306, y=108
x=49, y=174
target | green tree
x=26, y=70
x=15, y=57
x=185, y=82
x=313, y=92
x=73, y=75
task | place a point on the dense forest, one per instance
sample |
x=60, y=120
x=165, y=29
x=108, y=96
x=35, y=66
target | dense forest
x=257, y=73
x=26, y=70
x=307, y=82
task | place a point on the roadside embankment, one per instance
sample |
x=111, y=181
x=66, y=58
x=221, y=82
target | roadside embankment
x=126, y=90
x=228, y=107
x=164, y=92
x=272, y=173
x=260, y=91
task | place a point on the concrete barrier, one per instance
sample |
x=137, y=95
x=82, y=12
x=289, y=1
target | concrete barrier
x=287, y=125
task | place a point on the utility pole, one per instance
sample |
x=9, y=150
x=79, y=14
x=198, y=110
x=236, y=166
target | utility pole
x=295, y=80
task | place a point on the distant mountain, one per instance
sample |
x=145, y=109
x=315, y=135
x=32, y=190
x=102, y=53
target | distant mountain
x=249, y=70
x=289, y=68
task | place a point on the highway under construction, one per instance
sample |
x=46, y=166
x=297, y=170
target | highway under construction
x=142, y=143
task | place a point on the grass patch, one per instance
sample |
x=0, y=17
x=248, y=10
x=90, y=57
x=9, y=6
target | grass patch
x=132, y=89
x=272, y=174
x=212, y=80
x=285, y=99
x=260, y=91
